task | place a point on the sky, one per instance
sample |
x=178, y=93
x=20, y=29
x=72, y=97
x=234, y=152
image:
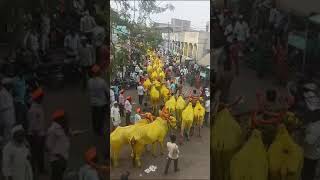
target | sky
x=198, y=12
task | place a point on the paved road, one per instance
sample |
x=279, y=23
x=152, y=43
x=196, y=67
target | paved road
x=194, y=162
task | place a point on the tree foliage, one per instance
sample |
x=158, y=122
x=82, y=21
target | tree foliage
x=140, y=36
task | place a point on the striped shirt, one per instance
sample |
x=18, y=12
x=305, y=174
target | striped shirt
x=312, y=141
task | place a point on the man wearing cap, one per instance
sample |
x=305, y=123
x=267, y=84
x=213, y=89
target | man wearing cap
x=98, y=91
x=115, y=115
x=58, y=144
x=36, y=131
x=128, y=109
x=16, y=157
x=7, y=114
x=141, y=91
x=137, y=116
x=90, y=170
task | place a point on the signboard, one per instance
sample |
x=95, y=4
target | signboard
x=121, y=30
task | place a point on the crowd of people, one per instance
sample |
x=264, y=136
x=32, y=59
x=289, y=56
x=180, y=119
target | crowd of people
x=265, y=31
x=26, y=141
x=176, y=78
x=239, y=39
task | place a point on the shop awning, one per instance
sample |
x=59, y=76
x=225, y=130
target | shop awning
x=315, y=19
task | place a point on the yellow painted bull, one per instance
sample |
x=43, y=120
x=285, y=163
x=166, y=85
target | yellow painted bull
x=152, y=133
x=147, y=84
x=199, y=112
x=154, y=98
x=154, y=76
x=187, y=121
x=149, y=70
x=161, y=76
x=171, y=106
x=121, y=136
x=164, y=92
x=180, y=105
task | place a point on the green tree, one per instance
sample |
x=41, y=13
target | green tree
x=141, y=36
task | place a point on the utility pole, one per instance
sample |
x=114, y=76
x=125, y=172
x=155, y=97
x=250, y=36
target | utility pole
x=134, y=11
x=168, y=37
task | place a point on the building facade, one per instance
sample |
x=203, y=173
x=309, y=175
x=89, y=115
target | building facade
x=180, y=25
x=193, y=45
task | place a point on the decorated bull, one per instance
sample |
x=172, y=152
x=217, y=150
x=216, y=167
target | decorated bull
x=154, y=98
x=121, y=136
x=187, y=121
x=180, y=105
x=199, y=112
x=171, y=106
x=152, y=133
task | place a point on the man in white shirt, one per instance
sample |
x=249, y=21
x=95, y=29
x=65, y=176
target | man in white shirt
x=87, y=23
x=173, y=154
x=241, y=29
x=98, y=91
x=112, y=97
x=311, y=150
x=16, y=157
x=137, y=69
x=115, y=115
x=140, y=90
x=72, y=44
x=128, y=109
x=87, y=59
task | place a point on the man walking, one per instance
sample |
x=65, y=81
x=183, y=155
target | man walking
x=121, y=102
x=128, y=109
x=173, y=154
x=140, y=93
x=98, y=91
x=115, y=115
x=16, y=157
x=37, y=130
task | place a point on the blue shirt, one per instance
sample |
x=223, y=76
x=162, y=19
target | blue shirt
x=116, y=90
x=19, y=90
x=173, y=87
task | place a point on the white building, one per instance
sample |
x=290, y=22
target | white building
x=194, y=45
x=183, y=40
x=180, y=25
